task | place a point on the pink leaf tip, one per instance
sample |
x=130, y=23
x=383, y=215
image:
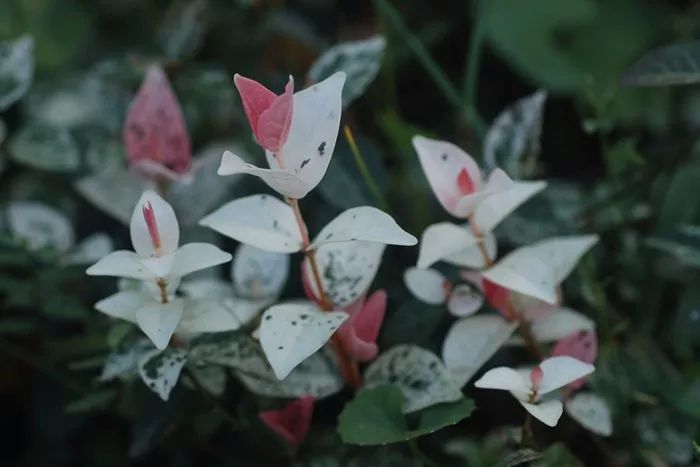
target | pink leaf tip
x=269, y=115
x=155, y=134
x=149, y=216
x=292, y=422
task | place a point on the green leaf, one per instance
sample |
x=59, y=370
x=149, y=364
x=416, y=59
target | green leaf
x=513, y=140
x=45, y=147
x=360, y=60
x=375, y=417
x=16, y=326
x=16, y=69
x=419, y=374
x=671, y=65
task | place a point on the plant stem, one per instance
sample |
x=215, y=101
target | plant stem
x=366, y=175
x=526, y=436
x=348, y=366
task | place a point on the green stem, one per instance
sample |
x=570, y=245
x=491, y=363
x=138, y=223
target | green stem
x=366, y=175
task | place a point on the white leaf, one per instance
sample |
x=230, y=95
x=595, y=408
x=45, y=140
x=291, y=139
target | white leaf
x=428, y=285
x=282, y=181
x=513, y=140
x=259, y=274
x=523, y=271
x=548, y=412
x=559, y=324
x=166, y=226
x=261, y=221
x=211, y=288
x=471, y=342
x=124, y=304
x=364, y=223
x=418, y=373
x=160, y=370
x=159, y=320
x=207, y=315
x=360, y=60
x=90, y=249
x=563, y=253
x=40, y=226
x=442, y=241
x=464, y=301
x=557, y=372
x=193, y=257
x=504, y=378
x=16, y=69
x=290, y=333
x=347, y=269
x=496, y=207
x=121, y=263
x=591, y=412
x=473, y=256
x=115, y=191
x=313, y=132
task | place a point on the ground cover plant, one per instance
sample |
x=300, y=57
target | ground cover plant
x=325, y=233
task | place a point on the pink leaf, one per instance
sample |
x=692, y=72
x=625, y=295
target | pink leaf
x=359, y=333
x=155, y=134
x=291, y=422
x=269, y=115
x=582, y=345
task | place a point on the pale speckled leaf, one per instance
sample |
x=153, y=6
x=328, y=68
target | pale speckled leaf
x=258, y=274
x=513, y=140
x=91, y=249
x=40, y=226
x=16, y=69
x=211, y=378
x=290, y=333
x=671, y=65
x=41, y=146
x=160, y=370
x=591, y=412
x=347, y=269
x=123, y=362
x=421, y=376
x=360, y=60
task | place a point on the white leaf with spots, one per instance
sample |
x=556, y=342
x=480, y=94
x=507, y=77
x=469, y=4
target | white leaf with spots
x=16, y=69
x=364, y=223
x=160, y=370
x=290, y=333
x=259, y=274
x=360, y=60
x=261, y=221
x=418, y=373
x=471, y=342
x=45, y=147
x=591, y=412
x=347, y=269
x=40, y=226
x=513, y=140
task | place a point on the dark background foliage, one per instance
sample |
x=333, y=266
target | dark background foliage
x=621, y=162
